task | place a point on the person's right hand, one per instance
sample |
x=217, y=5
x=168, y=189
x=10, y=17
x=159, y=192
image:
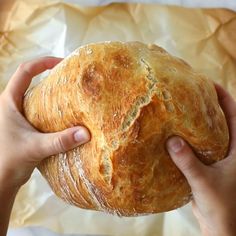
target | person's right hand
x=213, y=187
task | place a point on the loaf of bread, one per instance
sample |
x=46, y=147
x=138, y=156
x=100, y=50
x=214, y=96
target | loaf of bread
x=132, y=97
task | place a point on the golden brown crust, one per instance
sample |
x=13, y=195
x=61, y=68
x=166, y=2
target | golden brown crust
x=132, y=97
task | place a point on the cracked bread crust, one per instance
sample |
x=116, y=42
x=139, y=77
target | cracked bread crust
x=132, y=97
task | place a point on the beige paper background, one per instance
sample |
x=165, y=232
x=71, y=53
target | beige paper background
x=28, y=29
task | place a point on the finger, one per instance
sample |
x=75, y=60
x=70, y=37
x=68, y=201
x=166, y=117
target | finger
x=184, y=158
x=226, y=101
x=21, y=79
x=54, y=143
x=228, y=105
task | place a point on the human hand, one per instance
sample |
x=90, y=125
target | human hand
x=22, y=147
x=213, y=187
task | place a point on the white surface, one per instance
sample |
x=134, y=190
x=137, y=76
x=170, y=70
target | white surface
x=37, y=231
x=179, y=216
x=231, y=4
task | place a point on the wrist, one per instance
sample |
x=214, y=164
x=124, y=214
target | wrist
x=8, y=182
x=13, y=177
x=7, y=198
x=224, y=228
x=222, y=232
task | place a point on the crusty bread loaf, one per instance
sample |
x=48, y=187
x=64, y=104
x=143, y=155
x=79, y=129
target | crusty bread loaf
x=132, y=97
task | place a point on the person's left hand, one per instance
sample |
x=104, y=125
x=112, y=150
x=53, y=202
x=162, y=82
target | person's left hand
x=22, y=147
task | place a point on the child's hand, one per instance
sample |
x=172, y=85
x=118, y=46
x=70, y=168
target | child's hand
x=22, y=147
x=213, y=187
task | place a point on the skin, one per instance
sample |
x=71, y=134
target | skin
x=213, y=187
x=23, y=147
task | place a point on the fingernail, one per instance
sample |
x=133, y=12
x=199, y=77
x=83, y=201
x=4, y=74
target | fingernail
x=175, y=144
x=81, y=136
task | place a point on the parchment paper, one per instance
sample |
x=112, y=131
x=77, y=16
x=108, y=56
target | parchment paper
x=28, y=29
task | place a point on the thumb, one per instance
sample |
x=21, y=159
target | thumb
x=184, y=158
x=54, y=143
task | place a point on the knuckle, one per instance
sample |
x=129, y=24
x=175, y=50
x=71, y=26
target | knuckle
x=58, y=144
x=189, y=164
x=22, y=66
x=186, y=164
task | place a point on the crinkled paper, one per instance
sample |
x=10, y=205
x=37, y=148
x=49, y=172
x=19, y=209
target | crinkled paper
x=28, y=29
